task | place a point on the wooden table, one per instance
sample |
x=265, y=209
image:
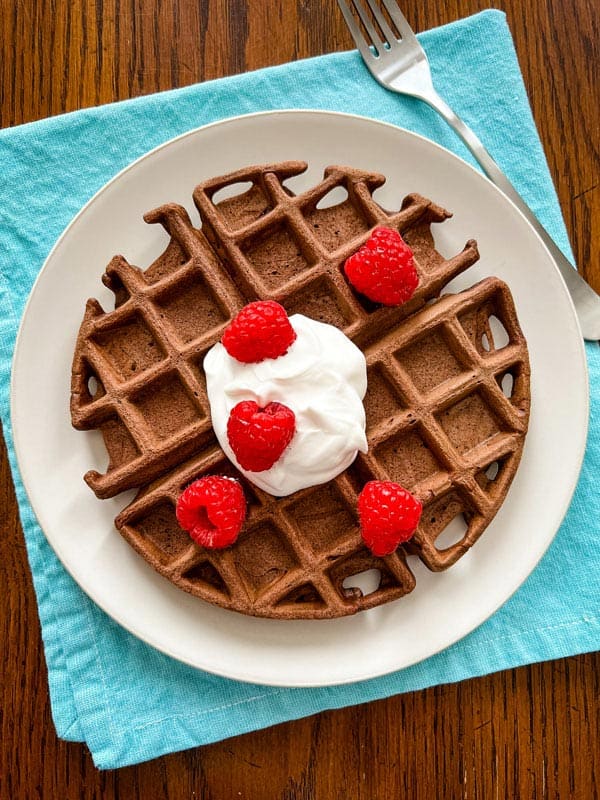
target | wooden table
x=532, y=732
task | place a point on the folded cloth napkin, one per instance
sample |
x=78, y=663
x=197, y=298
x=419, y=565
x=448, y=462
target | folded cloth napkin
x=125, y=700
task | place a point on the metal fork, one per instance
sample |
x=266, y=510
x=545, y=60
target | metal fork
x=401, y=65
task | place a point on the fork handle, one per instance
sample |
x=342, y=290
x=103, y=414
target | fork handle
x=585, y=299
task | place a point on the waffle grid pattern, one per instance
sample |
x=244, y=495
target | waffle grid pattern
x=308, y=573
x=110, y=345
x=294, y=559
x=466, y=421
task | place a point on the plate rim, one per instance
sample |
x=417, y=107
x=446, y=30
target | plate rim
x=93, y=595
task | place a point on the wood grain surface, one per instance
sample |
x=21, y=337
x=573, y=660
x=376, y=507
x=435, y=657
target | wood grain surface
x=532, y=732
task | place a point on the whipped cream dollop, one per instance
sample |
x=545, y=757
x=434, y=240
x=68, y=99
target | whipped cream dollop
x=322, y=378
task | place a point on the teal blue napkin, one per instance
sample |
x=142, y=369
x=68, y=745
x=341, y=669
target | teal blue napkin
x=127, y=701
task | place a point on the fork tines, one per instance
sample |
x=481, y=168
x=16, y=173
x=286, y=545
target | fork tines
x=378, y=26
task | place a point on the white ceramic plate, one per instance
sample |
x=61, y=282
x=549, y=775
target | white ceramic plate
x=53, y=456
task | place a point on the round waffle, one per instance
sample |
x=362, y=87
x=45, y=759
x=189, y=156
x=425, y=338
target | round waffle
x=447, y=401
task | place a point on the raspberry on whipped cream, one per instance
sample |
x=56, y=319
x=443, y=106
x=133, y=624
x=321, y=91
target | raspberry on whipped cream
x=260, y=330
x=259, y=436
x=322, y=378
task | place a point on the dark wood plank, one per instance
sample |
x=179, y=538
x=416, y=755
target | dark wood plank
x=531, y=732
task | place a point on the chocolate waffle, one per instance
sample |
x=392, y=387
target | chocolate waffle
x=440, y=419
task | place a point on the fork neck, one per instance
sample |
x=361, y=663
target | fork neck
x=487, y=163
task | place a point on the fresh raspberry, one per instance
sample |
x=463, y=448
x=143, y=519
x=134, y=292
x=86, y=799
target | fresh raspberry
x=258, y=436
x=212, y=510
x=260, y=330
x=383, y=269
x=388, y=516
